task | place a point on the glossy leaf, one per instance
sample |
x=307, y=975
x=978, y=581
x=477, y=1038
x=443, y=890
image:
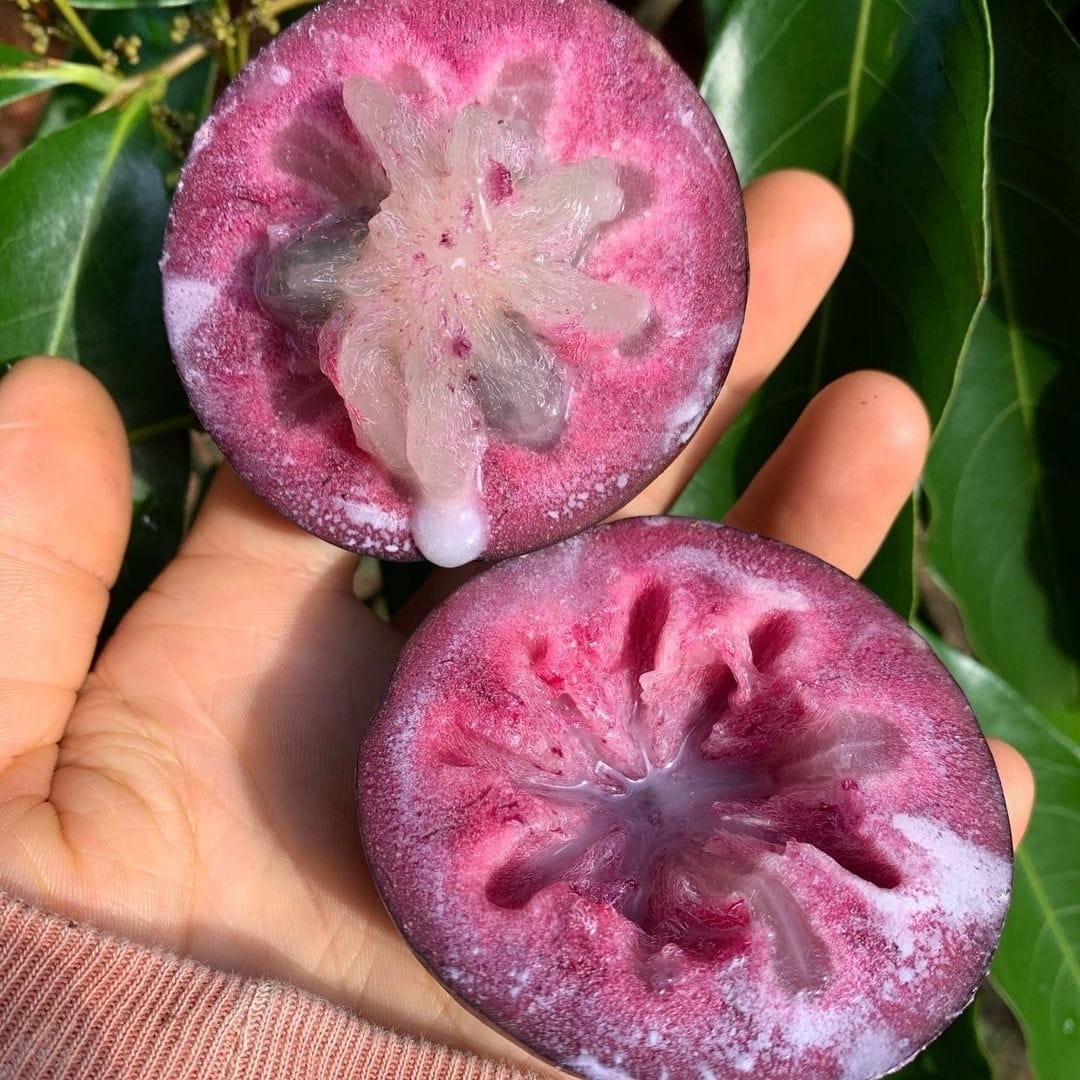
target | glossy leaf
x=12, y=57
x=13, y=82
x=893, y=573
x=1037, y=967
x=1004, y=474
x=64, y=106
x=81, y=233
x=890, y=100
x=160, y=470
x=23, y=74
x=80, y=236
x=713, y=14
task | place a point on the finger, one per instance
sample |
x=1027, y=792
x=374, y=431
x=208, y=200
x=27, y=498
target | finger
x=1018, y=783
x=799, y=234
x=253, y=635
x=249, y=593
x=234, y=522
x=835, y=485
x=243, y=561
x=65, y=511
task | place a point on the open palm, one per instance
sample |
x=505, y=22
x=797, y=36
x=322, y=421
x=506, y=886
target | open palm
x=195, y=789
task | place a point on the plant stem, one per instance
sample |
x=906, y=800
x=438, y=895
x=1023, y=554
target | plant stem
x=243, y=43
x=87, y=75
x=166, y=70
x=47, y=71
x=82, y=31
x=142, y=434
x=231, y=67
x=206, y=98
x=178, y=62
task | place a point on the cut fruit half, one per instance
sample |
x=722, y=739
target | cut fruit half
x=670, y=800
x=455, y=280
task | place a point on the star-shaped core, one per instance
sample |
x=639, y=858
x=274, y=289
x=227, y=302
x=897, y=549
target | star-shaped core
x=684, y=843
x=469, y=269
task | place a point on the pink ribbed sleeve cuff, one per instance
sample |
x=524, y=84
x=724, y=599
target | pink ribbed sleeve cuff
x=78, y=1004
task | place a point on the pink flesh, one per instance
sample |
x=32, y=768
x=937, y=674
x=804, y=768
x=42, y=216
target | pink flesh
x=279, y=152
x=670, y=800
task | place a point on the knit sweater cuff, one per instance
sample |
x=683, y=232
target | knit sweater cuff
x=80, y=1004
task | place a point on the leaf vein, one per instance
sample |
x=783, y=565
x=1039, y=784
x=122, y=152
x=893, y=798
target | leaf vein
x=67, y=297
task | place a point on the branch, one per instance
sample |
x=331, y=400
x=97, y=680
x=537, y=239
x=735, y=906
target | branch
x=180, y=422
x=178, y=62
x=48, y=71
x=166, y=70
x=82, y=31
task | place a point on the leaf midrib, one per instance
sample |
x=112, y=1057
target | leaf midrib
x=851, y=120
x=67, y=298
x=1068, y=954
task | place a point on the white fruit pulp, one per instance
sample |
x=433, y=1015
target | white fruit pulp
x=471, y=260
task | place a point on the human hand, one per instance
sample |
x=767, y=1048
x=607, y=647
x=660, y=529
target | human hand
x=195, y=789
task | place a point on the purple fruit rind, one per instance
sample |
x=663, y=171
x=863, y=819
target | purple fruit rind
x=680, y=238
x=894, y=929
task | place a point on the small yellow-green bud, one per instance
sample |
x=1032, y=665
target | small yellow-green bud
x=181, y=27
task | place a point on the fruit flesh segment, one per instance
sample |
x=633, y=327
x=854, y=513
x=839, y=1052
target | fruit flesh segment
x=446, y=299
x=675, y=842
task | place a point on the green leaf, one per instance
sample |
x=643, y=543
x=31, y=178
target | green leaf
x=713, y=14
x=723, y=474
x=84, y=217
x=893, y=573
x=80, y=236
x=14, y=83
x=64, y=106
x=160, y=469
x=1004, y=473
x=890, y=100
x=12, y=57
x=23, y=74
x=1037, y=967
x=954, y=1055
